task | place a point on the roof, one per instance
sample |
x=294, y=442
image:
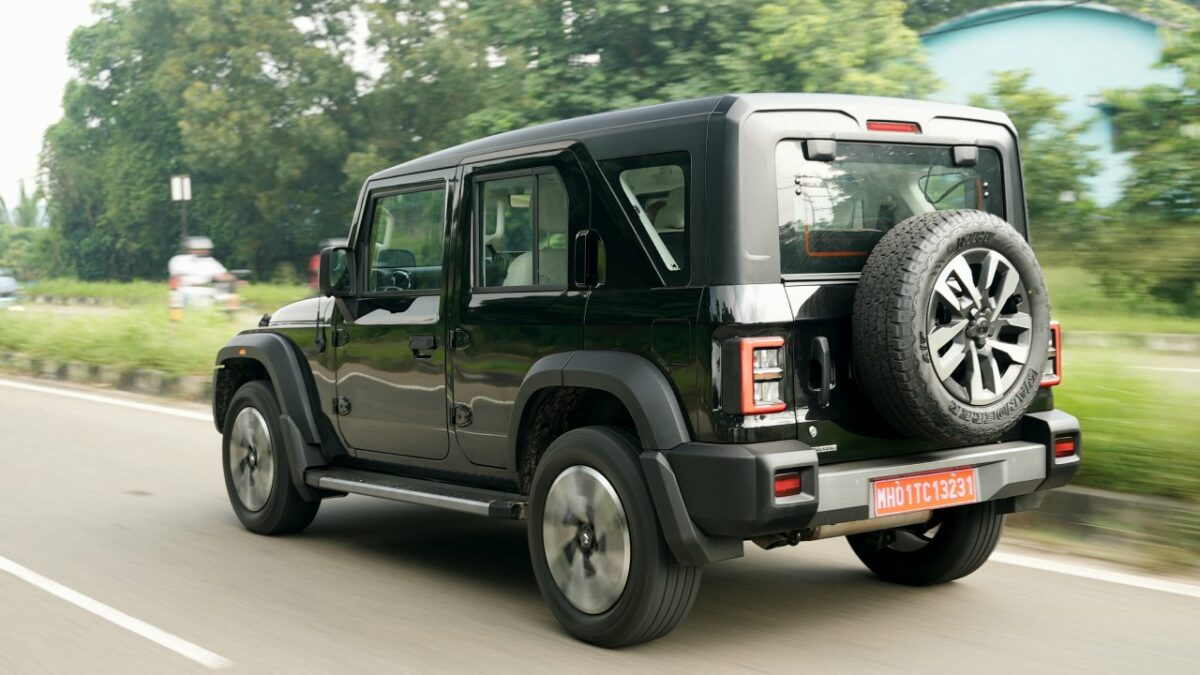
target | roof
x=740, y=105
x=1018, y=10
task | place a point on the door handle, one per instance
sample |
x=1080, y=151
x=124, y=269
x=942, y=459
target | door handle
x=459, y=339
x=422, y=343
x=820, y=372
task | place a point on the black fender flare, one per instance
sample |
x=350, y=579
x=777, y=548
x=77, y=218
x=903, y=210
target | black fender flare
x=647, y=394
x=640, y=386
x=280, y=359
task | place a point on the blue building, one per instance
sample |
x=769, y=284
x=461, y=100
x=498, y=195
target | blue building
x=1075, y=50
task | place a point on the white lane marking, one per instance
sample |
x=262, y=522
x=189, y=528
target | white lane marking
x=1169, y=370
x=96, y=398
x=1097, y=573
x=156, y=635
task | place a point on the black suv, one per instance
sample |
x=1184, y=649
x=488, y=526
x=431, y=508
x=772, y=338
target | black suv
x=657, y=333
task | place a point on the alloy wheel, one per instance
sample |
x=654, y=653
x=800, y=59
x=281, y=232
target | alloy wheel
x=979, y=326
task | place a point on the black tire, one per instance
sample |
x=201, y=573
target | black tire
x=891, y=327
x=965, y=538
x=285, y=511
x=659, y=592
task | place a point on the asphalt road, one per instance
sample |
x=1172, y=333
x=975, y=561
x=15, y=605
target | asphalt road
x=114, y=524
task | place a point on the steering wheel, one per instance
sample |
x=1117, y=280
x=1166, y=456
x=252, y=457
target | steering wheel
x=401, y=280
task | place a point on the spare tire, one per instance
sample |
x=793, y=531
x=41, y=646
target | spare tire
x=951, y=326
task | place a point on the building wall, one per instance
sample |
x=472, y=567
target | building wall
x=1077, y=52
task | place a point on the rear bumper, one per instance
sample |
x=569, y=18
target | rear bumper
x=726, y=492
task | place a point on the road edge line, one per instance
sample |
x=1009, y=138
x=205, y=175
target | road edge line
x=97, y=398
x=1097, y=574
x=156, y=635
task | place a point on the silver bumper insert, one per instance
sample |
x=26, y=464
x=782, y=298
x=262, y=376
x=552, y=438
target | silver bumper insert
x=1004, y=470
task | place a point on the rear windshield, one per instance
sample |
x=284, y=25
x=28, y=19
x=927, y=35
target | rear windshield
x=832, y=213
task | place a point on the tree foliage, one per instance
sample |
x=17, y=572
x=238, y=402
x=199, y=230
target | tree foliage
x=260, y=103
x=1055, y=163
x=247, y=97
x=1154, y=244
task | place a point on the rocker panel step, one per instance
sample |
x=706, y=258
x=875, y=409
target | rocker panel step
x=479, y=501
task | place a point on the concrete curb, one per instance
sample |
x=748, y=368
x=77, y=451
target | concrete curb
x=1140, y=529
x=139, y=380
x=1155, y=342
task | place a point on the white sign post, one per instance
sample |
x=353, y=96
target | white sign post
x=181, y=191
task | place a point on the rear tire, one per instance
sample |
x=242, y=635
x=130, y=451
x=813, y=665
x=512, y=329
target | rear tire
x=590, y=501
x=965, y=538
x=258, y=475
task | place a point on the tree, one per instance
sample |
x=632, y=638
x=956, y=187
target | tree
x=1055, y=163
x=29, y=211
x=1154, y=243
x=249, y=98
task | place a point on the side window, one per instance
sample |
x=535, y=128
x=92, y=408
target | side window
x=522, y=231
x=656, y=190
x=406, y=241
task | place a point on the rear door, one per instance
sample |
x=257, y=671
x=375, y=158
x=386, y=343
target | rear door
x=830, y=219
x=517, y=302
x=389, y=342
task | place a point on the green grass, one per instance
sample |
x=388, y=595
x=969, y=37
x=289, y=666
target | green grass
x=1141, y=427
x=138, y=337
x=261, y=297
x=270, y=297
x=123, y=294
x=1080, y=303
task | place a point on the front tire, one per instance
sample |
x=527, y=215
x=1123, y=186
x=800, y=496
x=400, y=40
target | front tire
x=598, y=554
x=957, y=544
x=257, y=470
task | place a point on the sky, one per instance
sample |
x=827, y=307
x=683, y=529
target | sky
x=33, y=72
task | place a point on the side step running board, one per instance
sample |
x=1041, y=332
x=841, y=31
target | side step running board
x=481, y=502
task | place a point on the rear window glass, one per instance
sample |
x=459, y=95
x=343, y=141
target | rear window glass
x=832, y=213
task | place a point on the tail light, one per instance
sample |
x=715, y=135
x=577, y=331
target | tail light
x=787, y=483
x=894, y=127
x=1054, y=356
x=762, y=375
x=1064, y=446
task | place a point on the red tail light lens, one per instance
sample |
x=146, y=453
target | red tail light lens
x=762, y=375
x=787, y=484
x=1064, y=446
x=1054, y=368
x=894, y=127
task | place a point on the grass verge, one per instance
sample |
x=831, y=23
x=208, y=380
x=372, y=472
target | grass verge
x=260, y=297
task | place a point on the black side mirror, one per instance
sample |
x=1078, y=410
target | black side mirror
x=590, y=259
x=336, y=276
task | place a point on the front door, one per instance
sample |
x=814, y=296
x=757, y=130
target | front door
x=391, y=360
x=518, y=303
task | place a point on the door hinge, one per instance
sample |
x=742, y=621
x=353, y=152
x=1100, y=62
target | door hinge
x=341, y=405
x=462, y=415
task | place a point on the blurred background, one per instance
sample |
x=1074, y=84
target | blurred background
x=277, y=111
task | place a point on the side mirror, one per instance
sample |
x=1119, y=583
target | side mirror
x=336, y=276
x=591, y=261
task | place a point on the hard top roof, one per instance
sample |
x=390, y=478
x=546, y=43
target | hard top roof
x=739, y=105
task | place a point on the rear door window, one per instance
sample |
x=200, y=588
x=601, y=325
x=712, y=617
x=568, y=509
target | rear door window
x=655, y=190
x=833, y=213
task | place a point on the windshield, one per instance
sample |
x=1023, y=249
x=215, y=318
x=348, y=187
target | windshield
x=832, y=213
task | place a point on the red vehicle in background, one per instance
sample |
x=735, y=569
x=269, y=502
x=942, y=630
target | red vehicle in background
x=314, y=263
